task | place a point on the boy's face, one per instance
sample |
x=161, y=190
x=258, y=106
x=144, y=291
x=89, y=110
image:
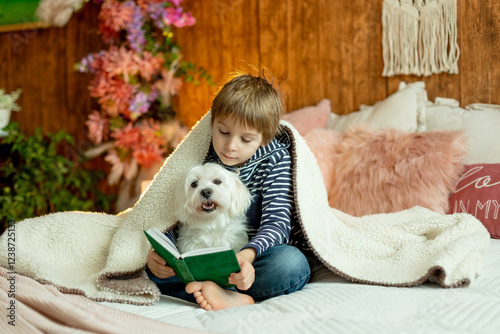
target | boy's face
x=233, y=142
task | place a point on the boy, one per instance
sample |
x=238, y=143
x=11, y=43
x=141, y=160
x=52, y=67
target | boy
x=246, y=137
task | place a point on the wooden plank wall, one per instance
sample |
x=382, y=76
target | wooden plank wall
x=332, y=49
x=40, y=61
x=318, y=48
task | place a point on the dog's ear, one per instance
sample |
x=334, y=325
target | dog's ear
x=240, y=198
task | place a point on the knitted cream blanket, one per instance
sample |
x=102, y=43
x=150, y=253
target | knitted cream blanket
x=102, y=256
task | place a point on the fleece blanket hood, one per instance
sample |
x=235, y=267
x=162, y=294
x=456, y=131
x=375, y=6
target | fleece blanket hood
x=103, y=256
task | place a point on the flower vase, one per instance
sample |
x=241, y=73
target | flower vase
x=4, y=121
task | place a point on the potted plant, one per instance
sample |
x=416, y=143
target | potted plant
x=45, y=173
x=7, y=105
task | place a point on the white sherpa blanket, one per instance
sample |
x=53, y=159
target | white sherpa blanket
x=103, y=256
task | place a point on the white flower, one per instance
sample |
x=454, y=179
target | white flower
x=8, y=101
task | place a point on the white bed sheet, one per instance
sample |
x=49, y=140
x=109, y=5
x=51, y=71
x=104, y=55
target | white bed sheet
x=330, y=304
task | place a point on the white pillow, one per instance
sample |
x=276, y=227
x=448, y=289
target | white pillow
x=483, y=106
x=481, y=125
x=405, y=109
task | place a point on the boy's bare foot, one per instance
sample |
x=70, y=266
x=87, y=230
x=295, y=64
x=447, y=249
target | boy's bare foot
x=212, y=297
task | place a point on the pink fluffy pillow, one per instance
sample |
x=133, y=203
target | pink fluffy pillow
x=369, y=171
x=388, y=170
x=309, y=118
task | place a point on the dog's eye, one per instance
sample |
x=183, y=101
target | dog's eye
x=194, y=184
x=217, y=181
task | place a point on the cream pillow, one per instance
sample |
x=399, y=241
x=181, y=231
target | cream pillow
x=481, y=125
x=483, y=106
x=405, y=110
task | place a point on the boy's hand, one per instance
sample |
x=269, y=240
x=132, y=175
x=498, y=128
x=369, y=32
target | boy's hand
x=158, y=266
x=245, y=278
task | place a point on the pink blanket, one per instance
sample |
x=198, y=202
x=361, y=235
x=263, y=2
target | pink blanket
x=32, y=307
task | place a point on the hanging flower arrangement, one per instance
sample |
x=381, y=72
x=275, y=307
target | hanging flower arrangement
x=134, y=81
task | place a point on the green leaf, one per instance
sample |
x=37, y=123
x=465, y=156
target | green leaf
x=41, y=179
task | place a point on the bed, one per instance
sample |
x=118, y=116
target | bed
x=331, y=304
x=333, y=301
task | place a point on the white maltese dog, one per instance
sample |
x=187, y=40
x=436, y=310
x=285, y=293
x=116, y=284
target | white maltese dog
x=211, y=203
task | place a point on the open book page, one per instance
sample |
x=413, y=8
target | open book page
x=202, y=251
x=164, y=241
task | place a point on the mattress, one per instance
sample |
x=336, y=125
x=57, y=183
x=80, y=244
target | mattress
x=331, y=304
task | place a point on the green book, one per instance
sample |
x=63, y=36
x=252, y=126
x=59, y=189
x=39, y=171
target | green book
x=206, y=264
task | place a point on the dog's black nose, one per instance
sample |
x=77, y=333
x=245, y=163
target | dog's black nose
x=206, y=193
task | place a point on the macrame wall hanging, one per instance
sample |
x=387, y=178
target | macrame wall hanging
x=419, y=37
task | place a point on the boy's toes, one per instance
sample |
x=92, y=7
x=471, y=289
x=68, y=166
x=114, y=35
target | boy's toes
x=194, y=287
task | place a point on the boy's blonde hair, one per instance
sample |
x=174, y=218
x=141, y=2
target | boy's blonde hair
x=253, y=101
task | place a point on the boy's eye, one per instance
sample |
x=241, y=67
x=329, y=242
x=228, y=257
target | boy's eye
x=224, y=133
x=245, y=140
x=217, y=181
x=194, y=184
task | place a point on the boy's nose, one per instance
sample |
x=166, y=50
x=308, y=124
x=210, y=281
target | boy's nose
x=231, y=145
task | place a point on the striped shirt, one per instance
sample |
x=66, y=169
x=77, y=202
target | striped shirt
x=267, y=174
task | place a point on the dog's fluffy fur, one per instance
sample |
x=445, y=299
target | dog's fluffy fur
x=211, y=203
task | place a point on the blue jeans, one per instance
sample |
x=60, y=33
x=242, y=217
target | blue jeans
x=280, y=270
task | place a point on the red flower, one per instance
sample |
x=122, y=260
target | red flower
x=115, y=15
x=127, y=137
x=120, y=61
x=147, y=154
x=150, y=64
x=114, y=95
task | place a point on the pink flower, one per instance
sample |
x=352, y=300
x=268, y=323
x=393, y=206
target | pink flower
x=127, y=168
x=115, y=15
x=127, y=137
x=98, y=127
x=147, y=155
x=150, y=64
x=151, y=133
x=149, y=147
x=186, y=20
x=120, y=61
x=113, y=95
x=178, y=18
